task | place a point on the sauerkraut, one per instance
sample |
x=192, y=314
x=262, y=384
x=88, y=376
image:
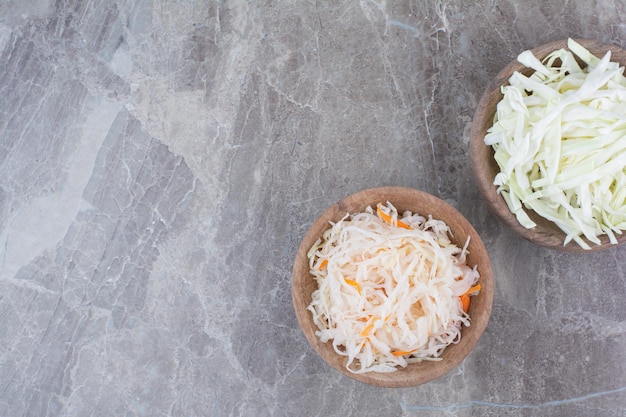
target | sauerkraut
x=391, y=290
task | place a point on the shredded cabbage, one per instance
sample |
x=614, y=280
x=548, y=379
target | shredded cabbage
x=388, y=288
x=559, y=137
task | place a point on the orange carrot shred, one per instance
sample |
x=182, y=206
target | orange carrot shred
x=475, y=288
x=387, y=218
x=354, y=284
x=465, y=298
x=402, y=352
x=367, y=329
x=323, y=264
x=465, y=302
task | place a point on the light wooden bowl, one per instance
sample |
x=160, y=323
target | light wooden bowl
x=485, y=168
x=424, y=204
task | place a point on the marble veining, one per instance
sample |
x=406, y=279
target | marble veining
x=161, y=160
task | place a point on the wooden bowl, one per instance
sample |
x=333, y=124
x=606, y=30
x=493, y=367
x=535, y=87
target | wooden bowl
x=485, y=168
x=424, y=204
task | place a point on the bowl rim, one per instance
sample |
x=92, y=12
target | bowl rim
x=546, y=234
x=428, y=370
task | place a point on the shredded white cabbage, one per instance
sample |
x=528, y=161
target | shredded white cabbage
x=388, y=288
x=559, y=137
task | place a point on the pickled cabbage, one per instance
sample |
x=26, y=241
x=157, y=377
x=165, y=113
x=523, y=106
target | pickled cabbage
x=390, y=289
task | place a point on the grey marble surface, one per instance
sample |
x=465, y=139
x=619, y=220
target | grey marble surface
x=160, y=162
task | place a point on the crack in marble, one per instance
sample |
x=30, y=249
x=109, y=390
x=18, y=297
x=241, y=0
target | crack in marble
x=501, y=405
x=412, y=29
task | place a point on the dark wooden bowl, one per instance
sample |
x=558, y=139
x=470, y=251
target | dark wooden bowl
x=424, y=204
x=485, y=168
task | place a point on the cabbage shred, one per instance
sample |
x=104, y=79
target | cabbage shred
x=559, y=138
x=388, y=288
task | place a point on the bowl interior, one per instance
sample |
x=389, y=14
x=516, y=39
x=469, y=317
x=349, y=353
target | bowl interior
x=485, y=168
x=403, y=199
